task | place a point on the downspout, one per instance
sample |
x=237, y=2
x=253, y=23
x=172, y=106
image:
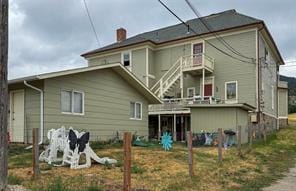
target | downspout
x=41, y=112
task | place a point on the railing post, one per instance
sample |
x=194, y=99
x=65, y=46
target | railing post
x=181, y=78
x=160, y=88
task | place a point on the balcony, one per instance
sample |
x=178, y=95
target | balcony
x=197, y=62
x=179, y=105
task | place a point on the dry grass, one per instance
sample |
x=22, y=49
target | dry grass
x=292, y=118
x=155, y=169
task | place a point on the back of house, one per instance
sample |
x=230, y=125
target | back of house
x=218, y=71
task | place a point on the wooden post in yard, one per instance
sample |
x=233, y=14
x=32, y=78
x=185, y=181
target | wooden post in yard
x=127, y=139
x=251, y=135
x=3, y=93
x=220, y=144
x=239, y=140
x=35, y=153
x=190, y=153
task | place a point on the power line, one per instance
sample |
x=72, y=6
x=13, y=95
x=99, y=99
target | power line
x=91, y=23
x=210, y=29
x=187, y=25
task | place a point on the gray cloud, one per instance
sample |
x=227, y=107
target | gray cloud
x=50, y=35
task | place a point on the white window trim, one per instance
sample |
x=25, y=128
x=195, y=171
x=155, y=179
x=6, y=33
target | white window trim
x=72, y=102
x=232, y=100
x=190, y=88
x=208, y=80
x=135, y=109
x=122, y=59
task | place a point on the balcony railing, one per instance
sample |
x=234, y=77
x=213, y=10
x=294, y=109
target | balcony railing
x=179, y=104
x=198, y=61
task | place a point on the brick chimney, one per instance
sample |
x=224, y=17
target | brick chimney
x=121, y=34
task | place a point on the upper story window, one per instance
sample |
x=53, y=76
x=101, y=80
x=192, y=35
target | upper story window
x=126, y=59
x=231, y=92
x=266, y=56
x=136, y=110
x=72, y=102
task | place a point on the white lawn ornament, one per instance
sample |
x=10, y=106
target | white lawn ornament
x=57, y=143
x=75, y=145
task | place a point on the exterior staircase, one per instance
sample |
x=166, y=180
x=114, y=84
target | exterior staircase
x=174, y=75
x=169, y=80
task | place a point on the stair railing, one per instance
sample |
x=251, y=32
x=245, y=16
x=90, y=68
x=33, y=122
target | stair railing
x=167, y=79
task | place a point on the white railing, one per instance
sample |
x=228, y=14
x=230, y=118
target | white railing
x=198, y=61
x=167, y=79
x=177, y=104
x=184, y=63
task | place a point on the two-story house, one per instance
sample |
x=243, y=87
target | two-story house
x=219, y=71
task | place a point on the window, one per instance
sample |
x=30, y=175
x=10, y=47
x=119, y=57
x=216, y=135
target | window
x=72, y=102
x=136, y=110
x=190, y=92
x=231, y=91
x=126, y=59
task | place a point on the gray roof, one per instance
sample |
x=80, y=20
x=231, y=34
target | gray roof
x=217, y=22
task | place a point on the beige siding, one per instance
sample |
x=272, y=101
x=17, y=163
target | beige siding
x=283, y=102
x=269, y=79
x=32, y=107
x=114, y=58
x=151, y=65
x=228, y=69
x=210, y=119
x=165, y=58
x=107, y=104
x=139, y=64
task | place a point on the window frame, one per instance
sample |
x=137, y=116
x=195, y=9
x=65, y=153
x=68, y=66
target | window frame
x=130, y=59
x=135, y=110
x=191, y=88
x=236, y=92
x=72, y=102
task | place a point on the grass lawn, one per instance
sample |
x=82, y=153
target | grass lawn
x=155, y=169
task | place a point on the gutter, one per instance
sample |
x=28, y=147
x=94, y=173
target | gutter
x=41, y=112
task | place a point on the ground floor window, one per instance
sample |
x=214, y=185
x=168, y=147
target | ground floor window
x=136, y=110
x=72, y=102
x=231, y=91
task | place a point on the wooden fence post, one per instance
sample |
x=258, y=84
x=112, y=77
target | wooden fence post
x=190, y=153
x=127, y=161
x=220, y=144
x=251, y=135
x=35, y=152
x=239, y=137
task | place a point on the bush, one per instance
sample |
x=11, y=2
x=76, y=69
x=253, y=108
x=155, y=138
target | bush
x=292, y=108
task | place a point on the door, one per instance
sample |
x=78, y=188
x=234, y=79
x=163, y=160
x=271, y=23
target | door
x=208, y=90
x=17, y=116
x=197, y=53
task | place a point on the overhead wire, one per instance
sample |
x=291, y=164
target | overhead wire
x=91, y=23
x=191, y=29
x=210, y=29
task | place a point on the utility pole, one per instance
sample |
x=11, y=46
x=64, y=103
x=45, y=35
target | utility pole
x=3, y=93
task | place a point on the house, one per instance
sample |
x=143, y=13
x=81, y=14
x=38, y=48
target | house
x=105, y=100
x=219, y=71
x=283, y=103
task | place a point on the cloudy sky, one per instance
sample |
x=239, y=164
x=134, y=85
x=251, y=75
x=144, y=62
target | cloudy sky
x=50, y=35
